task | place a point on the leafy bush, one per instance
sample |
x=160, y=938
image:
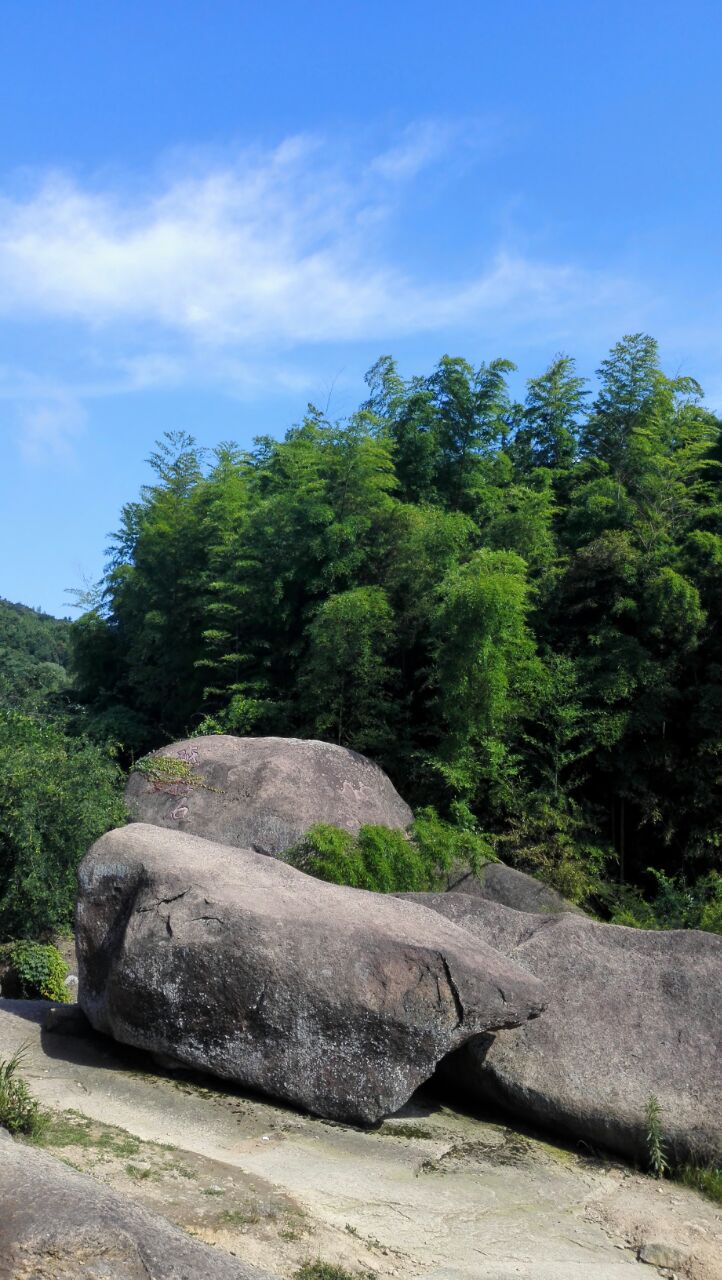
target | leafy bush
x=378, y=858
x=57, y=795
x=445, y=845
x=554, y=843
x=20, y=1113
x=676, y=904
x=40, y=971
x=387, y=861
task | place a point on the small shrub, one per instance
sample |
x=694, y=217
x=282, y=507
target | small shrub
x=20, y=1112
x=40, y=971
x=675, y=905
x=173, y=775
x=557, y=846
x=164, y=772
x=444, y=845
x=658, y=1163
x=387, y=861
x=327, y=1271
x=329, y=854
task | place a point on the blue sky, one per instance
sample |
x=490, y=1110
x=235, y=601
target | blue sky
x=211, y=214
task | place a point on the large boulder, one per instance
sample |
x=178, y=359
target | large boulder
x=632, y=1015
x=498, y=883
x=57, y=1224
x=261, y=793
x=335, y=999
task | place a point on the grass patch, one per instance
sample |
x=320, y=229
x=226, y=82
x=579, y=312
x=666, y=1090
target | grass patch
x=319, y=1270
x=406, y=1131
x=140, y=1173
x=240, y=1217
x=71, y=1129
x=706, y=1179
x=20, y=1112
x=295, y=1227
x=292, y=1233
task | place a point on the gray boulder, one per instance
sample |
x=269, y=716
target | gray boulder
x=498, y=883
x=335, y=999
x=261, y=793
x=632, y=1014
x=57, y=1224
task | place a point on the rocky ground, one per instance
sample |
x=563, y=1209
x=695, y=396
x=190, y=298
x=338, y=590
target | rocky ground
x=434, y=1193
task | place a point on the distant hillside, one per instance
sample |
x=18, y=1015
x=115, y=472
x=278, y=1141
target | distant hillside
x=34, y=653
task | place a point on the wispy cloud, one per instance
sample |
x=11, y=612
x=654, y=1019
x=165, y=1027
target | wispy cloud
x=419, y=146
x=49, y=429
x=278, y=247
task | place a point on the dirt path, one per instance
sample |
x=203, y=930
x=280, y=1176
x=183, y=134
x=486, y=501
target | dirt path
x=434, y=1194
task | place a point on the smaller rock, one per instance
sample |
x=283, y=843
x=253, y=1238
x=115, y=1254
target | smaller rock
x=66, y=1020
x=662, y=1255
x=495, y=882
x=262, y=794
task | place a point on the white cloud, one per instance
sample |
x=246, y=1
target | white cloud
x=279, y=247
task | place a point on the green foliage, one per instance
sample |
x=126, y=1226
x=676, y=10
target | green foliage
x=658, y=1163
x=704, y=1178
x=345, y=679
x=514, y=607
x=34, y=656
x=484, y=668
x=445, y=846
x=554, y=403
x=20, y=1113
x=72, y=1129
x=165, y=770
x=551, y=839
x=58, y=793
x=387, y=861
x=39, y=971
x=676, y=904
x=378, y=859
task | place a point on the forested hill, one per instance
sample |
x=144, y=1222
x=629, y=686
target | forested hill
x=514, y=607
x=34, y=653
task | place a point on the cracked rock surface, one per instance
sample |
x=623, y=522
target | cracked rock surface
x=334, y=999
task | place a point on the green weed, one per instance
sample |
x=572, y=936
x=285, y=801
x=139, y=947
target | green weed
x=319, y=1270
x=140, y=1173
x=20, y=1112
x=658, y=1163
x=706, y=1179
